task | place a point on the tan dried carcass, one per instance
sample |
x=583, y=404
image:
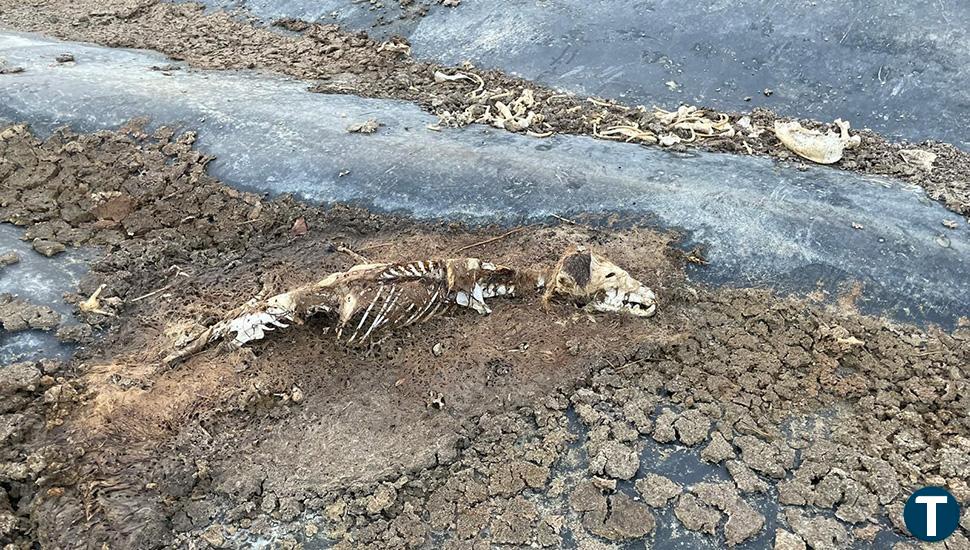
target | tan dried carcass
x=372, y=299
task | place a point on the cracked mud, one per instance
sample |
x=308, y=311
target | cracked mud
x=734, y=417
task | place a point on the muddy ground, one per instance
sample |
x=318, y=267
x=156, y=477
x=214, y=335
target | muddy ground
x=530, y=426
x=336, y=61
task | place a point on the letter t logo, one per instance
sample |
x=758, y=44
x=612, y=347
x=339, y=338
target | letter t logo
x=931, y=502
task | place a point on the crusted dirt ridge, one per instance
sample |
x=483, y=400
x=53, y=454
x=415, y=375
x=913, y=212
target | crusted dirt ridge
x=337, y=61
x=530, y=426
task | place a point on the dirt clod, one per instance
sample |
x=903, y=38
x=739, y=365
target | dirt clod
x=9, y=258
x=48, y=248
x=657, y=490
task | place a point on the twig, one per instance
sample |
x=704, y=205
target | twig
x=571, y=222
x=352, y=254
x=492, y=240
x=150, y=294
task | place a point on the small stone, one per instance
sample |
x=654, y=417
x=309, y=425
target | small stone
x=48, y=248
x=310, y=530
x=65, y=58
x=296, y=395
x=213, y=536
x=768, y=92
x=9, y=258
x=718, y=450
x=657, y=490
x=437, y=349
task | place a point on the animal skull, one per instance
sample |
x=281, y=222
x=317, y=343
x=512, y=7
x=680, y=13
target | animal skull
x=600, y=285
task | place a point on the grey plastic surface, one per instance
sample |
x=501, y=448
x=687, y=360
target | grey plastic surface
x=898, y=67
x=40, y=280
x=763, y=223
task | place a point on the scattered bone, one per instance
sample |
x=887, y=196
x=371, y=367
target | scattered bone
x=949, y=224
x=397, y=47
x=813, y=145
x=93, y=303
x=626, y=133
x=919, y=158
x=440, y=77
x=685, y=125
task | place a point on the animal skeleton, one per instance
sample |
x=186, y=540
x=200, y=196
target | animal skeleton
x=372, y=299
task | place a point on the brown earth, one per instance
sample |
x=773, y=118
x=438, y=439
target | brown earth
x=834, y=415
x=338, y=61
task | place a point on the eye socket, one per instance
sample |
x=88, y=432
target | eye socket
x=610, y=274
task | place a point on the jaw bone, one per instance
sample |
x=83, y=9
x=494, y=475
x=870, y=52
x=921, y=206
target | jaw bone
x=600, y=285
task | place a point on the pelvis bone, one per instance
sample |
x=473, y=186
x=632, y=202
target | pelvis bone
x=372, y=299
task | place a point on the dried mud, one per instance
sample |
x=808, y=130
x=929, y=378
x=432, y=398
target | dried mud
x=352, y=63
x=530, y=426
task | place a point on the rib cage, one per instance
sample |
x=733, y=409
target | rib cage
x=368, y=300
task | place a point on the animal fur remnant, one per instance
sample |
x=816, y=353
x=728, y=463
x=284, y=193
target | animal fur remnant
x=372, y=299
